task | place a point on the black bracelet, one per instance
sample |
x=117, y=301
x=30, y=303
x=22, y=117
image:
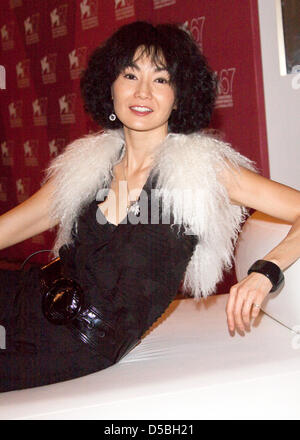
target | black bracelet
x=270, y=270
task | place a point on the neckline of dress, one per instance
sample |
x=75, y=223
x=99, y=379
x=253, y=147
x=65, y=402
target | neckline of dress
x=96, y=202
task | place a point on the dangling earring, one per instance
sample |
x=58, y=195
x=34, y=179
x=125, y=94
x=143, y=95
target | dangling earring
x=112, y=117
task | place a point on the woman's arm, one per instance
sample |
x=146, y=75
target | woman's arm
x=254, y=191
x=27, y=219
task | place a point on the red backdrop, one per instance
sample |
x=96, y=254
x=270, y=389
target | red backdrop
x=45, y=45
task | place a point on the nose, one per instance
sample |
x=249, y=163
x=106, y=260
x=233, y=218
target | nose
x=143, y=89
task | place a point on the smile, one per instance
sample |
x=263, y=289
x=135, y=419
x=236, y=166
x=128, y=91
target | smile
x=141, y=111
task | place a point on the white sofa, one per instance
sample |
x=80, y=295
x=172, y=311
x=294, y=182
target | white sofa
x=186, y=367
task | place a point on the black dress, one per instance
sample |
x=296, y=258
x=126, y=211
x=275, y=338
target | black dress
x=131, y=272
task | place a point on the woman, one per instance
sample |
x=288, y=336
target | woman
x=148, y=203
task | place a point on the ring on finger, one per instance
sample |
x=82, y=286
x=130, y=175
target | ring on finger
x=256, y=305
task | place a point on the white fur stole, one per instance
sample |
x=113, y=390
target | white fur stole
x=186, y=165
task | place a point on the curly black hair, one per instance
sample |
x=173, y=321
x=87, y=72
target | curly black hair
x=192, y=79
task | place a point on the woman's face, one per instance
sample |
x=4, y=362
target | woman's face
x=144, y=88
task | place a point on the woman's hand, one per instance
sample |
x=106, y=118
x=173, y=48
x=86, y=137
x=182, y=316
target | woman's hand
x=242, y=297
x=246, y=188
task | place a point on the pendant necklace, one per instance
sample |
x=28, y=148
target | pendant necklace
x=133, y=205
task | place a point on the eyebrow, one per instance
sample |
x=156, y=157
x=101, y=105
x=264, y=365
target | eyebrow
x=157, y=69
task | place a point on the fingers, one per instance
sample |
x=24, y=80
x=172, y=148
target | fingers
x=255, y=310
x=246, y=310
x=237, y=313
x=239, y=309
x=230, y=309
x=240, y=314
x=244, y=302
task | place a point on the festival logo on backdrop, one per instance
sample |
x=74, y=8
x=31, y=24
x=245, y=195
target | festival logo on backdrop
x=31, y=25
x=23, y=73
x=39, y=108
x=77, y=59
x=196, y=28
x=48, y=66
x=58, y=19
x=225, y=87
x=67, y=108
x=31, y=153
x=15, y=3
x=15, y=113
x=157, y=4
x=2, y=77
x=7, y=36
x=55, y=147
x=7, y=148
x=185, y=27
x=124, y=9
x=89, y=14
x=23, y=188
x=3, y=189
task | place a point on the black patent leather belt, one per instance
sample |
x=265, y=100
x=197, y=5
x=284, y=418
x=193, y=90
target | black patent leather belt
x=63, y=303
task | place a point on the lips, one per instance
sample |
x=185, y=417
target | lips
x=141, y=106
x=141, y=113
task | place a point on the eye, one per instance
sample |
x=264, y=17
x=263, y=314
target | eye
x=163, y=79
x=128, y=74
